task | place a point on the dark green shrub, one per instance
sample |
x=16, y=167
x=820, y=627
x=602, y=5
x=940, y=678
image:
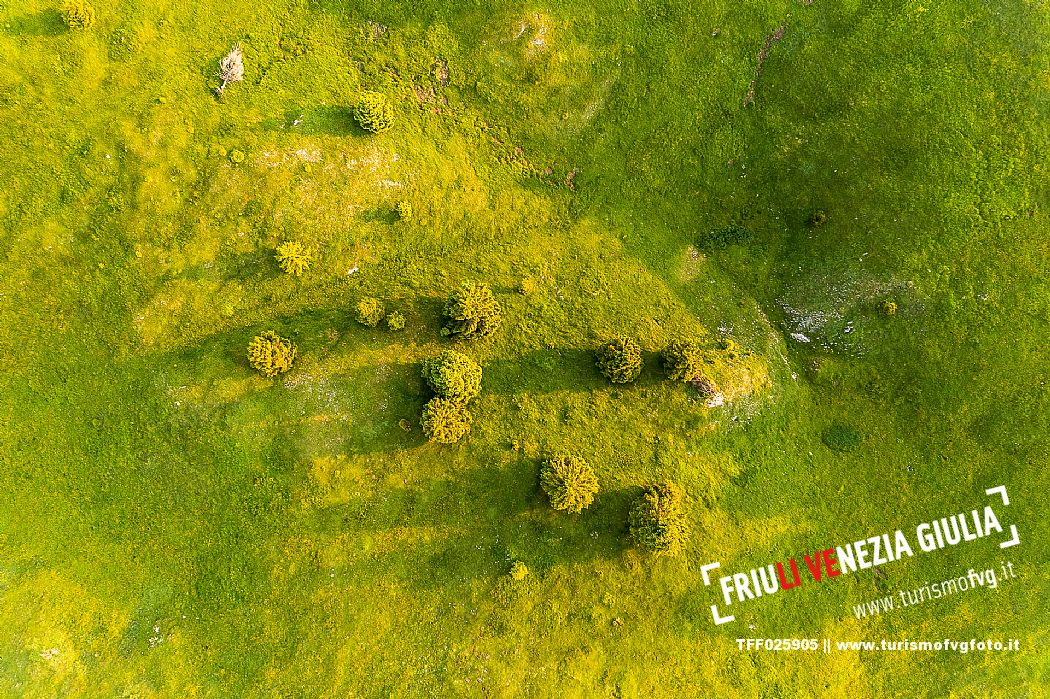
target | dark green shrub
x=569, y=482
x=395, y=321
x=374, y=112
x=445, y=421
x=370, y=311
x=842, y=438
x=620, y=360
x=684, y=360
x=657, y=520
x=816, y=219
x=78, y=14
x=271, y=354
x=471, y=312
x=453, y=375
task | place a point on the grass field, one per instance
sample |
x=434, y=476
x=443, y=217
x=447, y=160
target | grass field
x=173, y=524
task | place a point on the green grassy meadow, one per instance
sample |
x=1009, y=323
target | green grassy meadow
x=173, y=524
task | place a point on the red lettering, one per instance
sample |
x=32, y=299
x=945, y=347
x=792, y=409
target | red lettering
x=829, y=561
x=814, y=565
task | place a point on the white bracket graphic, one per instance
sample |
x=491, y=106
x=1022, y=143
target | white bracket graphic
x=704, y=569
x=719, y=620
x=1001, y=489
x=1015, y=538
x=1014, y=541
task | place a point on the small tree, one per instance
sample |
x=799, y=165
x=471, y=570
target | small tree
x=445, y=421
x=683, y=360
x=78, y=14
x=404, y=210
x=370, y=311
x=374, y=112
x=271, y=354
x=294, y=257
x=657, y=520
x=471, y=312
x=519, y=571
x=231, y=69
x=454, y=376
x=620, y=360
x=569, y=482
x=395, y=321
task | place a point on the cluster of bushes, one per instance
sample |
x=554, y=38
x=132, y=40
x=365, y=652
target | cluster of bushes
x=371, y=312
x=683, y=360
x=456, y=380
x=657, y=521
x=471, y=313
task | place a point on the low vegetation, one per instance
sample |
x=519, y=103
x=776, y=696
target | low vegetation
x=294, y=257
x=569, y=482
x=271, y=354
x=472, y=312
x=374, y=112
x=658, y=521
x=453, y=376
x=445, y=421
x=620, y=360
x=370, y=311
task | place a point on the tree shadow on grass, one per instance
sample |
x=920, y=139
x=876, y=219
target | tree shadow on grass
x=561, y=369
x=329, y=120
x=46, y=23
x=544, y=371
x=470, y=525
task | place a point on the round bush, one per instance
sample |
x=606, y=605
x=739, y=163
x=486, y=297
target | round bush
x=519, y=571
x=620, y=360
x=888, y=307
x=78, y=14
x=395, y=321
x=271, y=354
x=453, y=375
x=445, y=421
x=569, y=482
x=684, y=360
x=370, y=311
x=294, y=257
x=471, y=312
x=657, y=520
x=374, y=112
